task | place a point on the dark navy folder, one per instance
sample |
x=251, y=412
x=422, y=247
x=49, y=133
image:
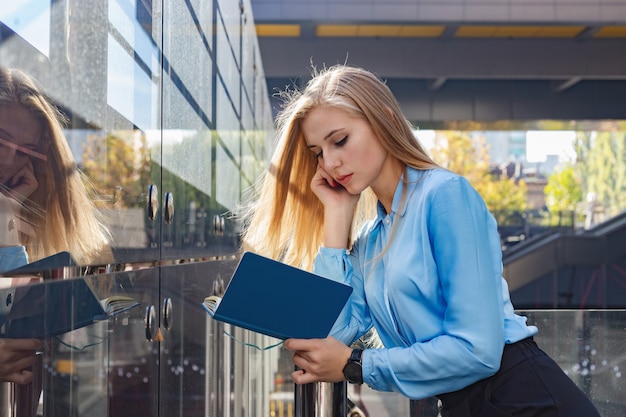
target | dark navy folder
x=278, y=300
x=56, y=261
x=48, y=309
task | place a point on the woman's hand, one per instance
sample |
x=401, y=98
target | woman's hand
x=12, y=194
x=332, y=194
x=22, y=184
x=319, y=360
x=339, y=206
x=16, y=356
x=9, y=221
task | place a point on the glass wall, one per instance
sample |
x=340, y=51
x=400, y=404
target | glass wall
x=129, y=130
x=164, y=102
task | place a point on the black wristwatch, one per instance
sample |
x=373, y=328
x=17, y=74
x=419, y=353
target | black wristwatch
x=353, y=371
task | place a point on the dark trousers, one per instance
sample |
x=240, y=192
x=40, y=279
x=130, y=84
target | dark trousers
x=529, y=383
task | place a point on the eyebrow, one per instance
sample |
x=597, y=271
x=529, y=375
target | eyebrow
x=332, y=132
x=22, y=149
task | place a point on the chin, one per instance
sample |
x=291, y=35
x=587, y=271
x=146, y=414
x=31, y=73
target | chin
x=352, y=190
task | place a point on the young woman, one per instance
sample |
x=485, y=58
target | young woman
x=426, y=267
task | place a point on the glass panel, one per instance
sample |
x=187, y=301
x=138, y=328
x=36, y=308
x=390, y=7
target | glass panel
x=228, y=152
x=226, y=55
x=98, y=62
x=95, y=358
x=131, y=146
x=196, y=132
x=190, y=349
x=249, y=50
x=230, y=12
x=587, y=344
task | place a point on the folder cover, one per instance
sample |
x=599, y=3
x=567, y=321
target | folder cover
x=50, y=308
x=278, y=300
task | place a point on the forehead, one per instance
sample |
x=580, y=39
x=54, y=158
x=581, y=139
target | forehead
x=18, y=125
x=325, y=120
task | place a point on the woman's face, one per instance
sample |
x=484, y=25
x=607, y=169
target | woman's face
x=20, y=134
x=346, y=148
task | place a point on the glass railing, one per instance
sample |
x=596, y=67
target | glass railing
x=123, y=365
x=587, y=344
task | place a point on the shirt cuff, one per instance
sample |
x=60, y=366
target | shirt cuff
x=333, y=264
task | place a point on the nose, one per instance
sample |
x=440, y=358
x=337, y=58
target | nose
x=331, y=161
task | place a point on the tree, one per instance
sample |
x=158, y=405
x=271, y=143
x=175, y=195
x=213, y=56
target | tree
x=563, y=193
x=601, y=166
x=118, y=166
x=505, y=198
x=459, y=153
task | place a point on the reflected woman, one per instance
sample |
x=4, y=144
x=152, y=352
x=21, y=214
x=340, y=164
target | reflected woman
x=45, y=206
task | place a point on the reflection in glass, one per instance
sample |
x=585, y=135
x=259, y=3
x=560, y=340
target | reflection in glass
x=47, y=201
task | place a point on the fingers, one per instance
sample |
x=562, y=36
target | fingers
x=20, y=345
x=303, y=357
x=318, y=360
x=323, y=179
x=16, y=356
x=302, y=345
x=301, y=360
x=22, y=377
x=330, y=181
x=300, y=377
x=24, y=182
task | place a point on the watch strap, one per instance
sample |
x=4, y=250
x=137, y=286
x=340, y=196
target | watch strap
x=353, y=370
x=356, y=355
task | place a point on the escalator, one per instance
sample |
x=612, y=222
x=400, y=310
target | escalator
x=576, y=269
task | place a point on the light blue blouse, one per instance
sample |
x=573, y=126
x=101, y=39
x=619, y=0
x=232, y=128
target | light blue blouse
x=12, y=257
x=436, y=297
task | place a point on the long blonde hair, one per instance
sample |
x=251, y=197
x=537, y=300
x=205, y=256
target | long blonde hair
x=60, y=212
x=284, y=220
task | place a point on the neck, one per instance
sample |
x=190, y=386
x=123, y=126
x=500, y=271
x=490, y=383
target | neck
x=386, y=184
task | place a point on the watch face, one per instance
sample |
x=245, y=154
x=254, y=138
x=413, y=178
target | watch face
x=353, y=372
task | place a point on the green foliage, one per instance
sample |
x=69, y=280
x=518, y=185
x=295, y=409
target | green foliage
x=459, y=153
x=601, y=166
x=563, y=191
x=504, y=198
x=118, y=166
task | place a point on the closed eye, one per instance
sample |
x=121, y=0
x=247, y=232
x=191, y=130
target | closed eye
x=338, y=144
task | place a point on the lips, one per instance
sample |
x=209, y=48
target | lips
x=344, y=179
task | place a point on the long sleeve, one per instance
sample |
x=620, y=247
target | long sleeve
x=354, y=320
x=12, y=257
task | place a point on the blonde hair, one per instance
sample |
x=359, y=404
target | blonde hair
x=60, y=211
x=285, y=219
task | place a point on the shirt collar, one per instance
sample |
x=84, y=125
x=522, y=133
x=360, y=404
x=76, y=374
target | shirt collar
x=413, y=176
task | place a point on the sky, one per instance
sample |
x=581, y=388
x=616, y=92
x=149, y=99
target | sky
x=540, y=144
